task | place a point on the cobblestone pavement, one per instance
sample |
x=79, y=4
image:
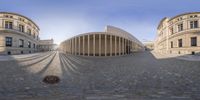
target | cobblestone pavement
x=190, y=57
x=139, y=76
x=187, y=57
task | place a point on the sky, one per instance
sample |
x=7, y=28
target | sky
x=63, y=19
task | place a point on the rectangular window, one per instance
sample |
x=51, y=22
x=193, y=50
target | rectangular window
x=34, y=45
x=193, y=41
x=37, y=37
x=180, y=44
x=21, y=28
x=8, y=24
x=180, y=27
x=172, y=44
x=194, y=24
x=29, y=44
x=172, y=30
x=34, y=35
x=21, y=43
x=8, y=41
x=29, y=31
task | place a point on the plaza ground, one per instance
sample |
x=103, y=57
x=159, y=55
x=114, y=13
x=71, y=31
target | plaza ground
x=140, y=76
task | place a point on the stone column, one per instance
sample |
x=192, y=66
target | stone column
x=131, y=47
x=105, y=45
x=75, y=46
x=128, y=46
x=110, y=45
x=72, y=45
x=88, y=45
x=99, y=44
x=1, y=24
x=122, y=46
x=115, y=45
x=70, y=51
x=79, y=46
x=84, y=45
x=94, y=45
x=125, y=46
x=67, y=46
x=119, y=45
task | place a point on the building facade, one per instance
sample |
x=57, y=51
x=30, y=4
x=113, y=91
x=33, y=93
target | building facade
x=112, y=42
x=149, y=45
x=18, y=34
x=179, y=35
x=46, y=45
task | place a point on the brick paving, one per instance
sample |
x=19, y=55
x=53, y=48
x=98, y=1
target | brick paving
x=139, y=76
x=187, y=57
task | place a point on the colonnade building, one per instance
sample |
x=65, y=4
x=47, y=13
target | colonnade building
x=18, y=34
x=179, y=35
x=112, y=42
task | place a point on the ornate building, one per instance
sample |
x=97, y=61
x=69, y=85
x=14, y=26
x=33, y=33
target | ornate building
x=179, y=35
x=149, y=45
x=18, y=34
x=46, y=45
x=112, y=42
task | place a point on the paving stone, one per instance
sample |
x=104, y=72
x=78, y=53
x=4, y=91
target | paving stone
x=139, y=77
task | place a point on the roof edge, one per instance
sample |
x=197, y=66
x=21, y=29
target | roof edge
x=21, y=16
x=183, y=14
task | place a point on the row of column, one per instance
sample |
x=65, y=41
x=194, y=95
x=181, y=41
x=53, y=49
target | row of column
x=99, y=45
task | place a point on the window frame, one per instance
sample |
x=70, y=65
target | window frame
x=194, y=24
x=29, y=44
x=8, y=24
x=21, y=45
x=192, y=43
x=34, y=45
x=172, y=44
x=180, y=27
x=21, y=27
x=180, y=43
x=29, y=31
x=8, y=41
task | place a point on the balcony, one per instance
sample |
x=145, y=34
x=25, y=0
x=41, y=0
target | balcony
x=17, y=30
